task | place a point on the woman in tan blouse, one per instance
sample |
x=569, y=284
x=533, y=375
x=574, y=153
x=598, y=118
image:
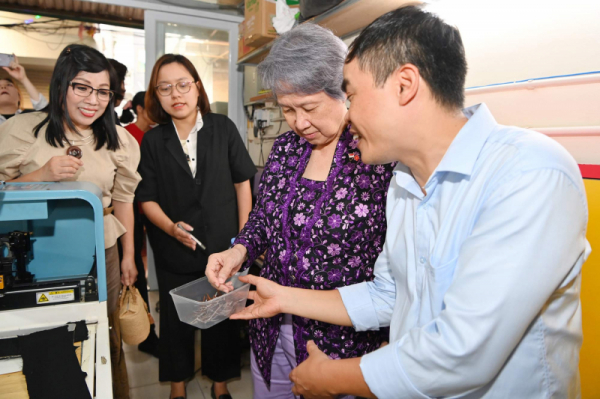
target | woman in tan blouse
x=76, y=139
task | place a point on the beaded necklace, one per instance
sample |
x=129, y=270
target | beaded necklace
x=74, y=150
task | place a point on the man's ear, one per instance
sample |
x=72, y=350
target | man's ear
x=407, y=80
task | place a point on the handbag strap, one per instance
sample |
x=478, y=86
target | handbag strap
x=127, y=293
x=132, y=293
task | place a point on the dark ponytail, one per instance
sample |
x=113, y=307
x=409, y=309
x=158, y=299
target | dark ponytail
x=128, y=114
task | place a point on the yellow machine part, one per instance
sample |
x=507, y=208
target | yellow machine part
x=589, y=364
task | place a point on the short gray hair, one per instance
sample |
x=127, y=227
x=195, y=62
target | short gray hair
x=306, y=60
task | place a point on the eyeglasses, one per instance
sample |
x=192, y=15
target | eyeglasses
x=85, y=91
x=182, y=87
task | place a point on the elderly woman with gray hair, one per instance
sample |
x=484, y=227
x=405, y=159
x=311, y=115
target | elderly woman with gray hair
x=320, y=213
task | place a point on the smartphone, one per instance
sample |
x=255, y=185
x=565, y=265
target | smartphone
x=193, y=237
x=6, y=60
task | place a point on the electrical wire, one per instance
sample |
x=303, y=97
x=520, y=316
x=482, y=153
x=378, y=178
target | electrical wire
x=30, y=23
x=26, y=28
x=38, y=40
x=261, y=129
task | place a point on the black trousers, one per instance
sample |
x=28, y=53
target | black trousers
x=138, y=242
x=219, y=345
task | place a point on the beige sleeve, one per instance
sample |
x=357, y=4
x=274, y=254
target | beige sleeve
x=128, y=158
x=16, y=138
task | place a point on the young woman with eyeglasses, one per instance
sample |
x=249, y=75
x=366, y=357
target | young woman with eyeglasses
x=75, y=139
x=195, y=172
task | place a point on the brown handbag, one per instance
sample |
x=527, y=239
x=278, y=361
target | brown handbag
x=134, y=318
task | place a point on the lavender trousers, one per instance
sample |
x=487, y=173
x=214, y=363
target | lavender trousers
x=284, y=361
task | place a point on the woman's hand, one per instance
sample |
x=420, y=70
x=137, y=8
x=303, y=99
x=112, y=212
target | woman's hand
x=223, y=265
x=182, y=236
x=128, y=271
x=268, y=299
x=60, y=168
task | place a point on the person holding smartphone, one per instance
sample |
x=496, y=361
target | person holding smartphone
x=195, y=173
x=11, y=103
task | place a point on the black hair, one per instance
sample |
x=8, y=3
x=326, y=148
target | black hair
x=410, y=35
x=120, y=70
x=128, y=114
x=73, y=59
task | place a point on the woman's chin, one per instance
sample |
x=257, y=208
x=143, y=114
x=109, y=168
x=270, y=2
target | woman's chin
x=82, y=125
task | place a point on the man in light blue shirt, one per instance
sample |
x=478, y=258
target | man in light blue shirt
x=480, y=278
x=480, y=274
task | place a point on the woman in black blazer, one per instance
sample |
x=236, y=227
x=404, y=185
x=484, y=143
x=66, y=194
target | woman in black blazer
x=195, y=171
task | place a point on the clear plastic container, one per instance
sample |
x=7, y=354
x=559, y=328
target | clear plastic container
x=192, y=309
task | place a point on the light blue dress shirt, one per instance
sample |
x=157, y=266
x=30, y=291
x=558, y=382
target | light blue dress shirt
x=479, y=280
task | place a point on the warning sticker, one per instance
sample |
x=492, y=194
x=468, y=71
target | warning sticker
x=54, y=296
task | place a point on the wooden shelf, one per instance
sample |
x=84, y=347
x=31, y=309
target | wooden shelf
x=345, y=19
x=256, y=56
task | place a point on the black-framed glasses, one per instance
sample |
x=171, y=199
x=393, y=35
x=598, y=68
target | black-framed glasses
x=167, y=89
x=83, y=90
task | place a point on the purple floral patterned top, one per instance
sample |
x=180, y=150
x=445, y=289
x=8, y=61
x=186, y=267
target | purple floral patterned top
x=317, y=235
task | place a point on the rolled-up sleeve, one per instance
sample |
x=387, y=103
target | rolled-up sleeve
x=528, y=242
x=40, y=104
x=127, y=178
x=370, y=304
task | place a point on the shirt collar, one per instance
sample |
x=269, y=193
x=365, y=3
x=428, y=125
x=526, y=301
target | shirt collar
x=405, y=179
x=3, y=119
x=466, y=146
x=199, y=124
x=462, y=153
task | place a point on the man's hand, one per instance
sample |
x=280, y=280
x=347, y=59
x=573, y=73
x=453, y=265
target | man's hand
x=222, y=266
x=310, y=378
x=128, y=271
x=268, y=299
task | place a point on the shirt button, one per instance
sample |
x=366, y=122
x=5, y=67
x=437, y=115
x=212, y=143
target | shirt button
x=422, y=260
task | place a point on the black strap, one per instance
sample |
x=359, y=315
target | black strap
x=9, y=347
x=50, y=366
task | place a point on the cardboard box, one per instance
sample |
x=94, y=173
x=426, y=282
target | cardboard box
x=259, y=22
x=243, y=49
